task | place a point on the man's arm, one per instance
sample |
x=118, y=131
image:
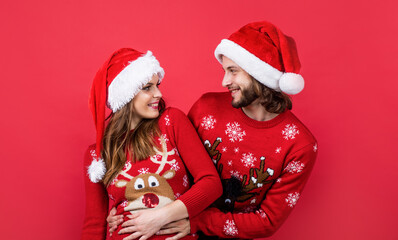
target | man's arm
x=273, y=210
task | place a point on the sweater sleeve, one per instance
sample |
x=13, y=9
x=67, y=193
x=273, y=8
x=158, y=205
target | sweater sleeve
x=94, y=226
x=273, y=210
x=207, y=185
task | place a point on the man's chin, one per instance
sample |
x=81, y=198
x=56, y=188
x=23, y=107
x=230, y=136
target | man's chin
x=242, y=103
x=236, y=104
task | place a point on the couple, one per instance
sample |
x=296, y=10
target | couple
x=149, y=165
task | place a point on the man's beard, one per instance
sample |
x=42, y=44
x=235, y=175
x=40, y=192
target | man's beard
x=248, y=95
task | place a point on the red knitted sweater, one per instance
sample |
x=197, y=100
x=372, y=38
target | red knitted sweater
x=263, y=165
x=155, y=181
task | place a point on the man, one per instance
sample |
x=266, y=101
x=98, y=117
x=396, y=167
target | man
x=263, y=153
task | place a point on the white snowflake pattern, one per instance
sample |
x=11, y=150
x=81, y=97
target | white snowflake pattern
x=124, y=203
x=290, y=131
x=230, y=228
x=167, y=120
x=175, y=166
x=234, y=132
x=157, y=157
x=236, y=174
x=248, y=159
x=236, y=150
x=315, y=147
x=230, y=163
x=261, y=213
x=185, y=181
x=249, y=209
x=278, y=180
x=253, y=201
x=93, y=153
x=294, y=167
x=292, y=199
x=224, y=149
x=208, y=122
x=143, y=170
x=177, y=195
x=278, y=150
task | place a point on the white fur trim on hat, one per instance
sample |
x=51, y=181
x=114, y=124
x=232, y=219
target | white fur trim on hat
x=96, y=171
x=131, y=79
x=260, y=70
x=257, y=68
x=291, y=83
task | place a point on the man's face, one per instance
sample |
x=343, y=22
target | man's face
x=239, y=84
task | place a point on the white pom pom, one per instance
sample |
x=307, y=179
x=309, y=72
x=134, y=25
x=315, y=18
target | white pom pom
x=291, y=83
x=96, y=171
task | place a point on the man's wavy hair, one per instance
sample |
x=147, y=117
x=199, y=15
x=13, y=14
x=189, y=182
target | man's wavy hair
x=273, y=101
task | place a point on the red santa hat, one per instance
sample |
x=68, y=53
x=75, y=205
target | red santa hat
x=116, y=83
x=265, y=53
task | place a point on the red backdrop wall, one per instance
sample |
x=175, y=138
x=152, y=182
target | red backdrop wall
x=51, y=50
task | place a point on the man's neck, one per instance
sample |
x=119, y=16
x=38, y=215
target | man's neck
x=257, y=112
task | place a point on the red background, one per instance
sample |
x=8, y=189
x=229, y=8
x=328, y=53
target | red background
x=51, y=50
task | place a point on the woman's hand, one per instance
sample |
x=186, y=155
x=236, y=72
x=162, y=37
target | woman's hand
x=113, y=220
x=144, y=224
x=181, y=227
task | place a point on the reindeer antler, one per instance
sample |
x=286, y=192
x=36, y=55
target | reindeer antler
x=164, y=154
x=212, y=150
x=255, y=182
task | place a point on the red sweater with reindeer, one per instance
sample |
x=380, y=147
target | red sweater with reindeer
x=263, y=166
x=156, y=181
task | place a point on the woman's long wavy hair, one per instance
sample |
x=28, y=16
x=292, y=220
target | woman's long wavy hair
x=273, y=101
x=120, y=139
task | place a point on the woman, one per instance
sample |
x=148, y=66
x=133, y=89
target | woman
x=140, y=162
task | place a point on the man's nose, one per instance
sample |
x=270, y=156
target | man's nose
x=226, y=81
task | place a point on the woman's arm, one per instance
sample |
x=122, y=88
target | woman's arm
x=94, y=226
x=198, y=163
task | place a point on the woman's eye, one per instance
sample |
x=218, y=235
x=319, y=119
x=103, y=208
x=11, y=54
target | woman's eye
x=145, y=88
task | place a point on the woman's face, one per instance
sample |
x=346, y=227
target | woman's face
x=146, y=102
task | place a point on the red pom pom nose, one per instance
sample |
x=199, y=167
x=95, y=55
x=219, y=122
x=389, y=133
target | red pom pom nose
x=150, y=200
